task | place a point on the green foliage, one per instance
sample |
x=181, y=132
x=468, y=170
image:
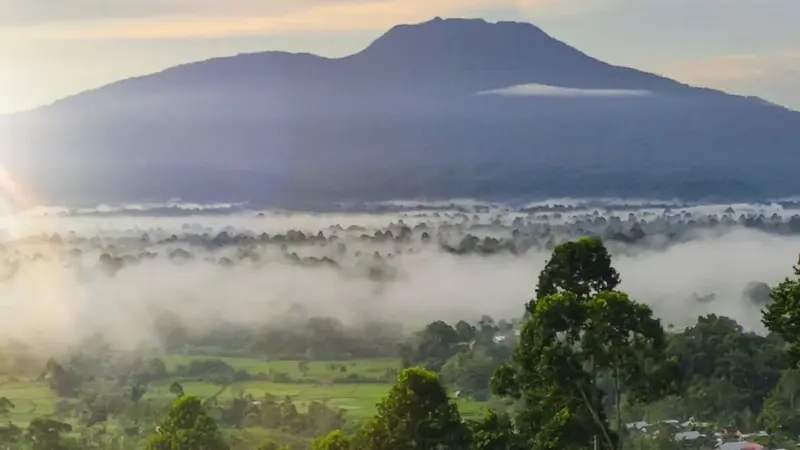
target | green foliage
x=782, y=315
x=622, y=338
x=302, y=367
x=562, y=406
x=239, y=411
x=245, y=410
x=212, y=370
x=63, y=382
x=154, y=369
x=417, y=414
x=724, y=371
x=465, y=331
x=661, y=441
x=10, y=435
x=431, y=347
x=335, y=440
x=470, y=371
x=272, y=445
x=176, y=389
x=187, y=427
x=6, y=406
x=582, y=267
x=579, y=328
x=48, y=434
x=780, y=414
x=495, y=431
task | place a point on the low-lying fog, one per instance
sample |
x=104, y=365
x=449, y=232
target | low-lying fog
x=64, y=277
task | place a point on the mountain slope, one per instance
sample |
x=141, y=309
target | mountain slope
x=404, y=118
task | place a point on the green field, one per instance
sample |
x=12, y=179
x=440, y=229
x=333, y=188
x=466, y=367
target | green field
x=34, y=398
x=317, y=370
x=31, y=399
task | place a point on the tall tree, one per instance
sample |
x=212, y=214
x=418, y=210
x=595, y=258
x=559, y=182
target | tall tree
x=578, y=328
x=622, y=338
x=562, y=404
x=582, y=267
x=417, y=414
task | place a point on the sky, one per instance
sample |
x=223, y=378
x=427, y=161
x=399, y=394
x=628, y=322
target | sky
x=50, y=49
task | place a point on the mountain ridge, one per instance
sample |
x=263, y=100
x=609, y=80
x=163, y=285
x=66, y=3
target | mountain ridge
x=400, y=118
x=391, y=36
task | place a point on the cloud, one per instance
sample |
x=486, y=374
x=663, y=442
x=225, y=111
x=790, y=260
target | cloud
x=541, y=90
x=247, y=18
x=775, y=76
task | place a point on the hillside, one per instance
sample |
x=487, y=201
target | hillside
x=409, y=116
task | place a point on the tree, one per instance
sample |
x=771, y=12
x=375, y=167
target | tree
x=136, y=391
x=417, y=414
x=47, y=434
x=470, y=370
x=5, y=406
x=431, y=347
x=782, y=316
x=582, y=267
x=780, y=413
x=495, y=432
x=577, y=329
x=465, y=331
x=302, y=366
x=63, y=382
x=561, y=404
x=234, y=412
x=156, y=369
x=10, y=435
x=621, y=337
x=187, y=427
x=335, y=440
x=176, y=389
x=725, y=371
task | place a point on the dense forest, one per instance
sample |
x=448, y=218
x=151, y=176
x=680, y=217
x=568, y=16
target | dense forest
x=586, y=366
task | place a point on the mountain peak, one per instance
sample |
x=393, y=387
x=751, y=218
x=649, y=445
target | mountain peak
x=457, y=33
x=483, y=55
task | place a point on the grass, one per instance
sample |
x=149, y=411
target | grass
x=245, y=438
x=33, y=399
x=359, y=400
x=317, y=370
x=30, y=398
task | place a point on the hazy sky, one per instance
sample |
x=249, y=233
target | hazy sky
x=53, y=48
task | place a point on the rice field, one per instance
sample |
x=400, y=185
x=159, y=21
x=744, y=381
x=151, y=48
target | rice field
x=33, y=398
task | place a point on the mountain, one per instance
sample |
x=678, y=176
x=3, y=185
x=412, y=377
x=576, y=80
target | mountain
x=442, y=109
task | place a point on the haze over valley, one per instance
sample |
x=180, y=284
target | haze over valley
x=115, y=271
